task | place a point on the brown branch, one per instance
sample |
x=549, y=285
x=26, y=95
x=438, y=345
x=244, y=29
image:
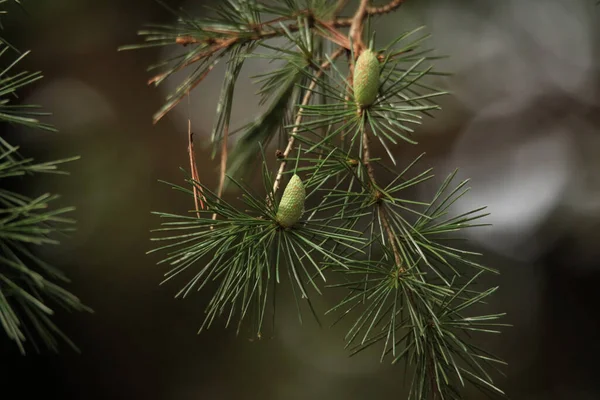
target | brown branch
x=218, y=45
x=391, y=237
x=356, y=36
x=235, y=37
x=389, y=7
x=267, y=33
x=198, y=195
x=356, y=31
x=383, y=217
x=336, y=36
x=432, y=381
x=371, y=10
x=266, y=30
x=356, y=28
x=223, y=162
x=165, y=111
x=325, y=65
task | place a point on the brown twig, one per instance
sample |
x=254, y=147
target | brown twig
x=356, y=27
x=389, y=7
x=399, y=265
x=325, y=65
x=356, y=35
x=383, y=217
x=165, y=111
x=356, y=30
x=335, y=35
x=267, y=33
x=267, y=30
x=198, y=195
x=235, y=37
x=371, y=10
x=433, y=383
x=223, y=170
x=219, y=44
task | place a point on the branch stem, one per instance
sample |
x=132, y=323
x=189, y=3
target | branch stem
x=224, y=156
x=223, y=39
x=389, y=7
x=305, y=100
x=383, y=217
x=198, y=196
x=356, y=28
x=356, y=36
x=267, y=30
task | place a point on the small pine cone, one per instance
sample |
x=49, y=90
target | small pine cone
x=366, y=78
x=291, y=205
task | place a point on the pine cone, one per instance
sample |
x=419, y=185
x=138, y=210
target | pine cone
x=291, y=205
x=366, y=78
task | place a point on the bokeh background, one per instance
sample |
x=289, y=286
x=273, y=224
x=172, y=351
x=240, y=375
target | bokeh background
x=523, y=122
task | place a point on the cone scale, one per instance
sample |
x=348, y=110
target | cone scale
x=291, y=205
x=366, y=78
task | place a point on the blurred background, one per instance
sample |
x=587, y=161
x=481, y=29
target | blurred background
x=523, y=122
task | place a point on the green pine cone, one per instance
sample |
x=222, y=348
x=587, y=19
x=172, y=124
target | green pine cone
x=291, y=205
x=366, y=78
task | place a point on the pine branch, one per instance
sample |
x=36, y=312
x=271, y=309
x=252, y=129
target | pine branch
x=30, y=288
x=267, y=30
x=246, y=251
x=356, y=27
x=299, y=116
x=380, y=207
x=419, y=300
x=385, y=9
x=214, y=39
x=410, y=286
x=356, y=34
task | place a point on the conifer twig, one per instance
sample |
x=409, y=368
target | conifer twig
x=356, y=35
x=223, y=167
x=198, y=202
x=270, y=29
x=380, y=208
x=410, y=285
x=299, y=116
x=372, y=10
x=336, y=36
x=263, y=33
x=387, y=8
x=392, y=239
x=356, y=28
x=356, y=32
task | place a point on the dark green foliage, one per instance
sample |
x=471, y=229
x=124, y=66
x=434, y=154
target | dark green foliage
x=30, y=289
x=408, y=284
x=247, y=252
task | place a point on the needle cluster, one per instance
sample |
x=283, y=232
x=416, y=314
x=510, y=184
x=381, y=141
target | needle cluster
x=406, y=282
x=30, y=288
